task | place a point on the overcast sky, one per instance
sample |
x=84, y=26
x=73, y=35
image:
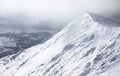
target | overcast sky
x=58, y=11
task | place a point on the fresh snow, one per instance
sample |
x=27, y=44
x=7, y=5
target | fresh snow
x=88, y=46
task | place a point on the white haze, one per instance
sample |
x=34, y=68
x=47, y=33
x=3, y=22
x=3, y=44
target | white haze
x=57, y=10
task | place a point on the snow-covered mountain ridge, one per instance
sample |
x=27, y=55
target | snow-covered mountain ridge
x=88, y=46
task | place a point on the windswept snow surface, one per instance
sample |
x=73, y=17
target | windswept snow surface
x=88, y=46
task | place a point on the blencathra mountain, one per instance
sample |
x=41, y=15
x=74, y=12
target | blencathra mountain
x=88, y=46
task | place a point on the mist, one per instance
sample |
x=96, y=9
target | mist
x=26, y=14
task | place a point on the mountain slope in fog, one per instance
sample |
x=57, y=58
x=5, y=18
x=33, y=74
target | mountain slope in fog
x=88, y=46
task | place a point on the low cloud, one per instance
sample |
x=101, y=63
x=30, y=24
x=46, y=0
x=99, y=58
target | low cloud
x=20, y=14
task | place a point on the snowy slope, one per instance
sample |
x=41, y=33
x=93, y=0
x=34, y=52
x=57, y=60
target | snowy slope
x=88, y=46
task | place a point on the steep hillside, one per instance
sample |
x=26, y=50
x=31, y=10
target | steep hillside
x=88, y=46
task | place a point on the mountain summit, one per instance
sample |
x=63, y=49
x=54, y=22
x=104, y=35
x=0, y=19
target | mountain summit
x=88, y=46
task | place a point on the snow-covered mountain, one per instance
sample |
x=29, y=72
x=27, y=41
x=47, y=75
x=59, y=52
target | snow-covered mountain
x=88, y=46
